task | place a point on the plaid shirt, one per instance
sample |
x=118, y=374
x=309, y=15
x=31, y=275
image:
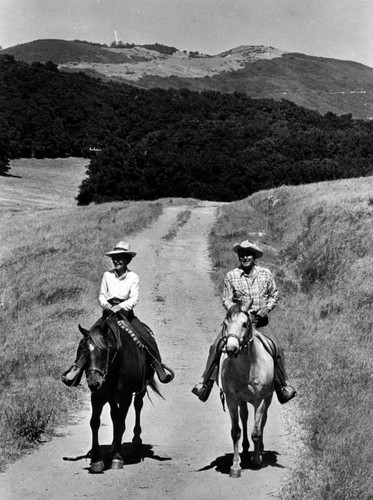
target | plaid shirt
x=258, y=285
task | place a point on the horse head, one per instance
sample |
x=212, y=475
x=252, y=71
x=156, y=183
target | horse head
x=100, y=351
x=238, y=327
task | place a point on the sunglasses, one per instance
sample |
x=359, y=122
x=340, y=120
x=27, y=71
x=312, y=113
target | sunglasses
x=241, y=255
x=119, y=258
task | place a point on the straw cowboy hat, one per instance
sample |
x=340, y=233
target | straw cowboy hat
x=121, y=247
x=248, y=245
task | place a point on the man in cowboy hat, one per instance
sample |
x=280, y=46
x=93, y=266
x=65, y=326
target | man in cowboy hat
x=257, y=283
x=119, y=294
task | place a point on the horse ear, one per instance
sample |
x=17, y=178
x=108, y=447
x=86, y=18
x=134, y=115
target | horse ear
x=245, y=306
x=83, y=331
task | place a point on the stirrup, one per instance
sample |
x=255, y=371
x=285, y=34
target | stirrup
x=285, y=393
x=72, y=382
x=202, y=391
x=160, y=369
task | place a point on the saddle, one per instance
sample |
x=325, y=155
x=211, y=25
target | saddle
x=116, y=323
x=119, y=322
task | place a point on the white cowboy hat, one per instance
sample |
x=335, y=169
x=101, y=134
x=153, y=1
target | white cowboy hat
x=121, y=247
x=248, y=245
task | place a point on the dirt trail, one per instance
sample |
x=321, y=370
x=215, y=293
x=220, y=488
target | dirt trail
x=188, y=447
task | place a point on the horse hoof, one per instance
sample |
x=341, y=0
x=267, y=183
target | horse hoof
x=257, y=460
x=234, y=472
x=117, y=463
x=137, y=441
x=97, y=467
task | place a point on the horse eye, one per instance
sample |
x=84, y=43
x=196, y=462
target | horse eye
x=244, y=324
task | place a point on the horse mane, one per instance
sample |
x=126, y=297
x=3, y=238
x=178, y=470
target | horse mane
x=103, y=336
x=97, y=338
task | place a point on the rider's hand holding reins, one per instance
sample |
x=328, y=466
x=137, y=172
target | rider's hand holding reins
x=263, y=312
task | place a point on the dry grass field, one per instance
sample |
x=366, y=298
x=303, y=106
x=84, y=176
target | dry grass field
x=34, y=183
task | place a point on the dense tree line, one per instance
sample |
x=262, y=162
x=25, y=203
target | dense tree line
x=158, y=143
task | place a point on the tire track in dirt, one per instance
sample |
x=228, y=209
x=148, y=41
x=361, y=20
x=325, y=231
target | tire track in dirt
x=188, y=449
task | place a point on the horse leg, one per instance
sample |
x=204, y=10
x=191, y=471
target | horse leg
x=260, y=419
x=244, y=414
x=235, y=470
x=138, y=404
x=118, y=416
x=97, y=464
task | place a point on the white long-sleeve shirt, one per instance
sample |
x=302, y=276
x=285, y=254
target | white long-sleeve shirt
x=124, y=288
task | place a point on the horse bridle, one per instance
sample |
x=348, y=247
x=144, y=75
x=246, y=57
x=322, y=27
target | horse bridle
x=104, y=372
x=242, y=342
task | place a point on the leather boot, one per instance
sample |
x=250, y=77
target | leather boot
x=203, y=390
x=284, y=392
x=163, y=376
x=72, y=376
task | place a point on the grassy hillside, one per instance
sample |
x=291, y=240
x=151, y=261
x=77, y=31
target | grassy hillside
x=318, y=242
x=45, y=184
x=60, y=51
x=312, y=82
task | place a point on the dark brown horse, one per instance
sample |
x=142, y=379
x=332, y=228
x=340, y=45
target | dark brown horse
x=117, y=371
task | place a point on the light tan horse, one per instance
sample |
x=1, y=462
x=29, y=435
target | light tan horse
x=246, y=376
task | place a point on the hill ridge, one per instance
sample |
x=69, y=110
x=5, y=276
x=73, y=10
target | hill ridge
x=323, y=84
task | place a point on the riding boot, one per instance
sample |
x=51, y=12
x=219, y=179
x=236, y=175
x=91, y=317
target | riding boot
x=73, y=375
x=203, y=390
x=160, y=370
x=146, y=337
x=284, y=392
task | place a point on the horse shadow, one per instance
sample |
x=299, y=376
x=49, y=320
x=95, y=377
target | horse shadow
x=223, y=463
x=6, y=174
x=132, y=454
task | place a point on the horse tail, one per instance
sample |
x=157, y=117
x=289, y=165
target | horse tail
x=154, y=386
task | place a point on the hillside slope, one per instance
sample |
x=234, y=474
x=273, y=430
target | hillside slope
x=318, y=83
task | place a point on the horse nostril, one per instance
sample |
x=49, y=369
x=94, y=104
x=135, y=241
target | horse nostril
x=94, y=384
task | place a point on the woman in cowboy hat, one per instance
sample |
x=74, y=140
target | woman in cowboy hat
x=257, y=283
x=119, y=293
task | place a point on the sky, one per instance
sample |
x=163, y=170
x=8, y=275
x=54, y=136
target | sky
x=341, y=29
